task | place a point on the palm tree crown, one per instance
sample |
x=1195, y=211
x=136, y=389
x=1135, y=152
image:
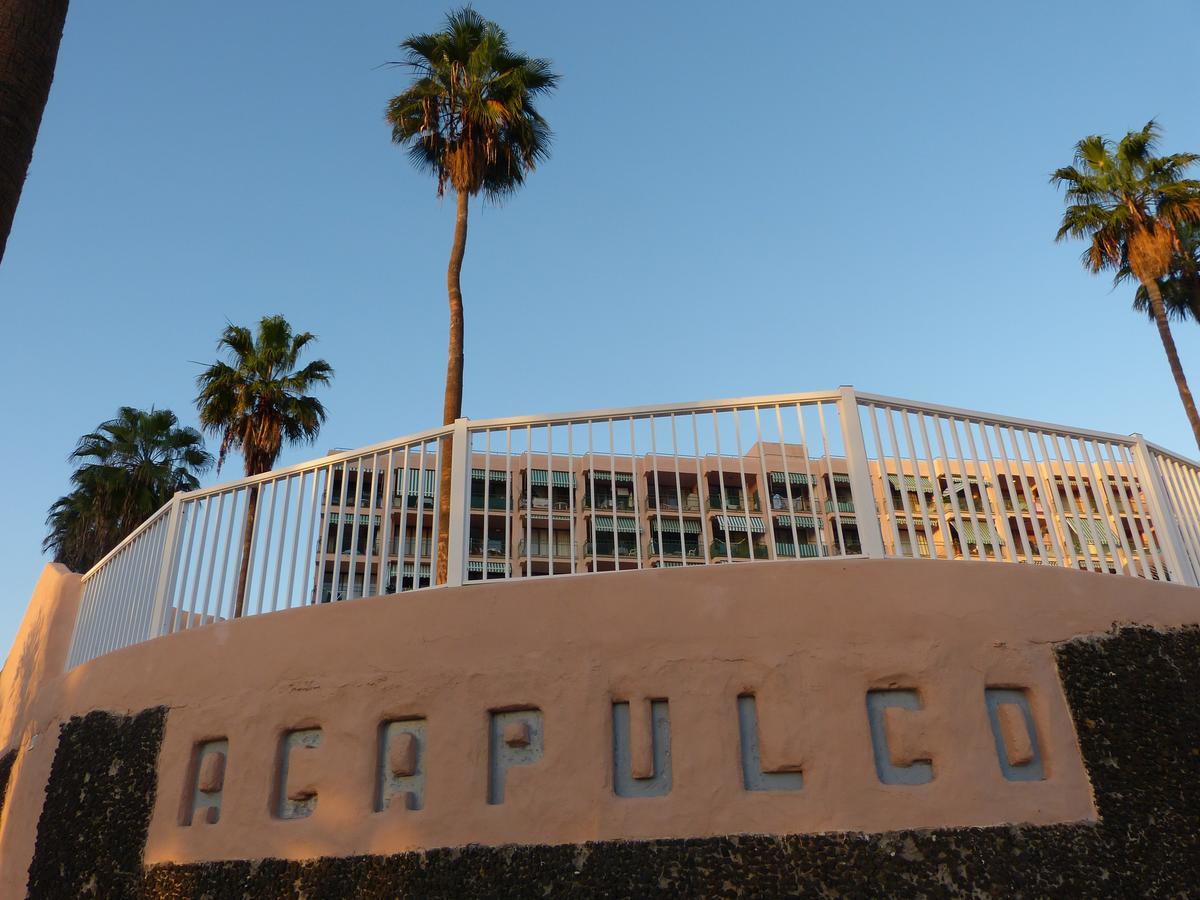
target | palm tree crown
x=127, y=469
x=1132, y=208
x=469, y=116
x=1181, y=286
x=1127, y=203
x=259, y=398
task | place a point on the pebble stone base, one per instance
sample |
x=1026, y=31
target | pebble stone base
x=1134, y=694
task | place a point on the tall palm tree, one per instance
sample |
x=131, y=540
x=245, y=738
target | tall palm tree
x=126, y=469
x=1130, y=206
x=256, y=401
x=30, y=33
x=469, y=119
x=1181, y=286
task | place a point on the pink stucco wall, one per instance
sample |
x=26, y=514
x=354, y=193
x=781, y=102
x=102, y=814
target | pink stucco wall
x=809, y=639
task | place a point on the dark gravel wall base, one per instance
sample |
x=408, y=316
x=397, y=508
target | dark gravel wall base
x=6, y=767
x=96, y=815
x=1135, y=696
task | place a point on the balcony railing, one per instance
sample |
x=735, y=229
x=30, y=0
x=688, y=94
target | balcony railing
x=1103, y=503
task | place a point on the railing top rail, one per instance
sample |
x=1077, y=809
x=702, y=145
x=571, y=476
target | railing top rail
x=128, y=539
x=1178, y=457
x=956, y=412
x=318, y=463
x=626, y=412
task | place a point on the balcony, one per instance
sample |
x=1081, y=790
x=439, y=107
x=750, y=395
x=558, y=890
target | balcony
x=541, y=549
x=602, y=502
x=674, y=551
x=719, y=550
x=842, y=506
x=668, y=503
x=544, y=504
x=603, y=550
x=493, y=546
x=732, y=502
x=492, y=501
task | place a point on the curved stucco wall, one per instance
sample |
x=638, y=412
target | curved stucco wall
x=809, y=641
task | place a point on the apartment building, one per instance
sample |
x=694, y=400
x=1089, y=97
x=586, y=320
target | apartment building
x=538, y=514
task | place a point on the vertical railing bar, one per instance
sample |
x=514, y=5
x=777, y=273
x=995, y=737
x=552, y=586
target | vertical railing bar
x=679, y=496
x=370, y=555
x=938, y=500
x=966, y=481
x=187, y=567
x=1180, y=566
x=1069, y=466
x=385, y=543
x=266, y=543
x=551, y=530
x=529, y=501
x=723, y=517
x=191, y=608
x=283, y=518
x=1180, y=504
x=818, y=523
x=827, y=455
x=1108, y=458
x=212, y=562
x=914, y=545
x=355, y=522
x=1054, y=520
x=936, y=420
x=985, y=476
x=914, y=455
x=787, y=484
x=1106, y=507
x=637, y=508
x=658, y=501
x=591, y=456
x=419, y=537
x=321, y=547
x=508, y=502
x=872, y=409
x=1032, y=497
x=1001, y=460
x=707, y=532
x=741, y=457
x=1069, y=509
x=402, y=540
x=225, y=557
x=572, y=496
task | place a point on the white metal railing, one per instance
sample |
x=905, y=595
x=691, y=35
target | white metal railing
x=793, y=476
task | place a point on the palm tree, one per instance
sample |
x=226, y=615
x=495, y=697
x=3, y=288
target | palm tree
x=1181, y=286
x=469, y=119
x=30, y=33
x=258, y=400
x=1131, y=206
x=127, y=469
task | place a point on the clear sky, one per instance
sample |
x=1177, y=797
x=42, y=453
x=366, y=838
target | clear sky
x=743, y=198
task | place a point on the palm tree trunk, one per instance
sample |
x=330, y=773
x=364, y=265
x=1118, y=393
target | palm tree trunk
x=452, y=405
x=247, y=541
x=30, y=32
x=1164, y=332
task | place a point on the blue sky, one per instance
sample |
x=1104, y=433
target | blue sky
x=742, y=199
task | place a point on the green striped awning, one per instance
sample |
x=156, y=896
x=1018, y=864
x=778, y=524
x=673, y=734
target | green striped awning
x=1094, y=532
x=476, y=565
x=624, y=524
x=408, y=570
x=739, y=523
x=977, y=533
x=540, y=478
x=598, y=474
x=958, y=485
x=801, y=521
x=920, y=485
x=668, y=564
x=793, y=477
x=839, y=478
x=493, y=474
x=690, y=526
x=363, y=519
x=414, y=479
x=542, y=518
